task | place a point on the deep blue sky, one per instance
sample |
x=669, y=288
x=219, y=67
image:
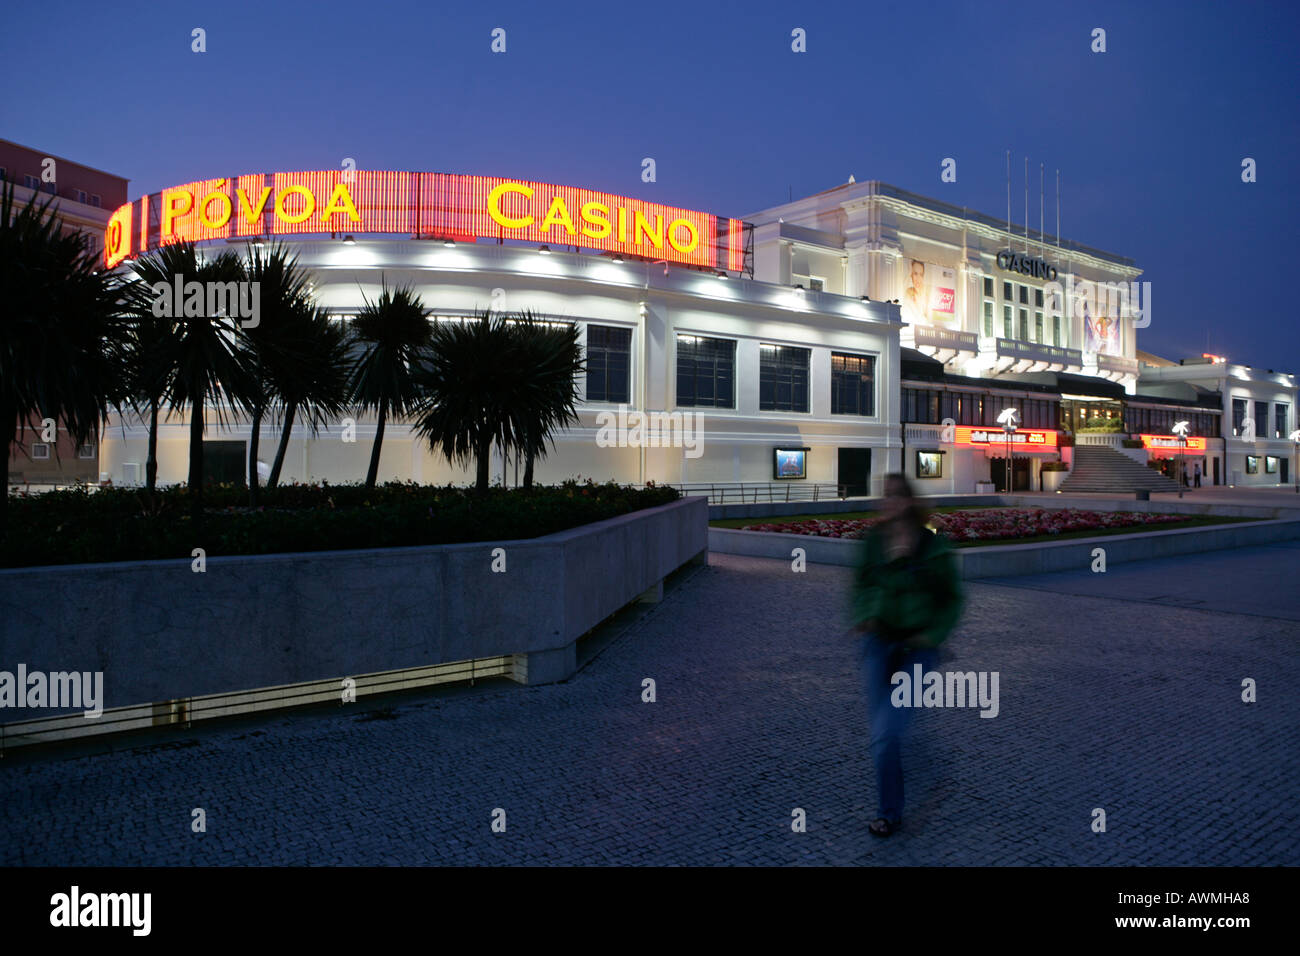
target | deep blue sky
x=1148, y=136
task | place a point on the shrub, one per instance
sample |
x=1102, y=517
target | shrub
x=124, y=524
x=1132, y=443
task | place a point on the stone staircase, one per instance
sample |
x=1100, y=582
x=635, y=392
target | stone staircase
x=1097, y=468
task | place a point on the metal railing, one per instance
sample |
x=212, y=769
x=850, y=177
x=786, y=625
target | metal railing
x=742, y=492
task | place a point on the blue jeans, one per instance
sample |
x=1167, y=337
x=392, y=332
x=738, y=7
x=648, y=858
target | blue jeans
x=881, y=659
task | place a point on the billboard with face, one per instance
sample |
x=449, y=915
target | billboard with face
x=929, y=294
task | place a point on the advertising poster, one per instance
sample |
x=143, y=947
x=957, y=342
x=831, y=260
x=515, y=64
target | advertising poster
x=1100, y=332
x=929, y=294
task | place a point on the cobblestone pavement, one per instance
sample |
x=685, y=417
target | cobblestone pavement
x=1109, y=697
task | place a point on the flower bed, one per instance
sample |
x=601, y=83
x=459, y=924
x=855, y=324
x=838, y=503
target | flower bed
x=990, y=524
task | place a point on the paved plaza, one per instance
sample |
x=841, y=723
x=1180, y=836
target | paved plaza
x=1119, y=691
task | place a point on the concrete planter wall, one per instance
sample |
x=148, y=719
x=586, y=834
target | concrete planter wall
x=159, y=631
x=1052, y=479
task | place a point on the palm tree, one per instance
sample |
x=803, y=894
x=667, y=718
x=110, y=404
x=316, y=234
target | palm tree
x=470, y=382
x=316, y=385
x=550, y=359
x=272, y=355
x=393, y=334
x=211, y=364
x=63, y=331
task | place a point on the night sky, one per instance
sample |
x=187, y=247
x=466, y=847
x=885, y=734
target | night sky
x=1149, y=136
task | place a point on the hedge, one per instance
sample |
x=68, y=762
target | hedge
x=78, y=526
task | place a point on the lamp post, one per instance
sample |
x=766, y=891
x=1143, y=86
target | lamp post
x=1295, y=460
x=1008, y=418
x=1180, y=430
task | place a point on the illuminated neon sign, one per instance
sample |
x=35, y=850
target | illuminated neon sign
x=992, y=437
x=1170, y=443
x=440, y=205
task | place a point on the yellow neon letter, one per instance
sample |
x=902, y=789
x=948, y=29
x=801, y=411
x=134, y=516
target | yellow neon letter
x=690, y=228
x=596, y=213
x=343, y=199
x=251, y=215
x=642, y=227
x=559, y=212
x=171, y=211
x=494, y=205
x=308, y=208
x=223, y=217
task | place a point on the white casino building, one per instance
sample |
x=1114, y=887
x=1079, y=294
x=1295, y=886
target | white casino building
x=776, y=349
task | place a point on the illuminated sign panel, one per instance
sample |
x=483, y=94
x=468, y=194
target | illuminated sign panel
x=1021, y=439
x=440, y=205
x=1170, y=443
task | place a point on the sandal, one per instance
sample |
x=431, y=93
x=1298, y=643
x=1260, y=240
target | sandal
x=882, y=828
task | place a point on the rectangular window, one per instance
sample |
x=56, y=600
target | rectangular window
x=1280, y=414
x=929, y=464
x=706, y=372
x=1038, y=328
x=1261, y=419
x=1006, y=292
x=1056, y=330
x=1008, y=332
x=1024, y=325
x=1038, y=298
x=1252, y=464
x=782, y=378
x=81, y=196
x=988, y=318
x=85, y=451
x=1024, y=295
x=853, y=384
x=31, y=182
x=609, y=364
x=988, y=286
x=95, y=200
x=40, y=451
x=1238, y=415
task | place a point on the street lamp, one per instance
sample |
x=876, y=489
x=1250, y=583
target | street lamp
x=1007, y=418
x=1180, y=429
x=1295, y=461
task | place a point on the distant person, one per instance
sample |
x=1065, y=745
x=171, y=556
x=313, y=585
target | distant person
x=1197, y=474
x=907, y=599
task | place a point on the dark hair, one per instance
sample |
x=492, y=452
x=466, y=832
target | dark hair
x=914, y=515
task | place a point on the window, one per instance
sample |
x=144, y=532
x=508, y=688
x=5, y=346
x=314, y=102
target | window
x=782, y=379
x=1270, y=465
x=85, y=451
x=1008, y=332
x=4, y=174
x=929, y=464
x=1006, y=292
x=31, y=182
x=1056, y=330
x=1238, y=415
x=1024, y=325
x=988, y=282
x=95, y=200
x=921, y=406
x=40, y=451
x=1261, y=419
x=81, y=196
x=1038, y=298
x=1038, y=327
x=1252, y=464
x=1280, y=414
x=988, y=317
x=609, y=362
x=853, y=384
x=706, y=372
x=1024, y=295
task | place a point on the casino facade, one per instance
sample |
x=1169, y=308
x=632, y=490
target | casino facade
x=822, y=343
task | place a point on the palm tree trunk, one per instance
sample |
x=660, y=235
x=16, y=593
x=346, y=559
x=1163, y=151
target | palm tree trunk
x=528, y=467
x=8, y=430
x=254, y=442
x=290, y=411
x=379, y=441
x=151, y=457
x=196, y=458
x=484, y=460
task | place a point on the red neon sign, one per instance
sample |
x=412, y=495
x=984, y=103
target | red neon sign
x=1171, y=443
x=1021, y=438
x=440, y=205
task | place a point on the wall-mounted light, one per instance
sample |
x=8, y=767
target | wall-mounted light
x=449, y=242
x=347, y=241
x=720, y=274
x=544, y=250
x=865, y=298
x=617, y=258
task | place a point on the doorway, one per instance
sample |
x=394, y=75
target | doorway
x=1021, y=471
x=1282, y=468
x=1216, y=471
x=225, y=462
x=854, y=471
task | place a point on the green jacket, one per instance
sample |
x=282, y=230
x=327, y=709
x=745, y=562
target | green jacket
x=918, y=597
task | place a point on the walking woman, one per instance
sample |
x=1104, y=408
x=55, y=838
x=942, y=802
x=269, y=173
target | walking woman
x=907, y=600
